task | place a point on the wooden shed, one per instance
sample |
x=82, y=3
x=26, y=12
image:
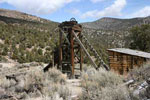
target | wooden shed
x=122, y=60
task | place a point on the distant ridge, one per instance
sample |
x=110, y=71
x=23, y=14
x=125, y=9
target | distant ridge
x=107, y=23
x=20, y=15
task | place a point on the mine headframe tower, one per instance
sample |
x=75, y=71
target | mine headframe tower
x=71, y=46
x=70, y=52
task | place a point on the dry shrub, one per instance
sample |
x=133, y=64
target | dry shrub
x=34, y=81
x=64, y=92
x=5, y=83
x=103, y=85
x=140, y=73
x=57, y=90
x=55, y=76
x=114, y=93
x=102, y=77
x=48, y=84
x=37, y=84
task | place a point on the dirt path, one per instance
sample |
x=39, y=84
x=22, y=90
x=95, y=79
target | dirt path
x=74, y=87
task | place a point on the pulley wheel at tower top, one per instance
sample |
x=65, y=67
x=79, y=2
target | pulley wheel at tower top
x=73, y=19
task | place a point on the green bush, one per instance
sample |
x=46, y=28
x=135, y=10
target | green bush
x=15, y=54
x=40, y=51
x=47, y=57
x=5, y=51
x=29, y=56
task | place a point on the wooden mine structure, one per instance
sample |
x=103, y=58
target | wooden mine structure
x=70, y=52
x=122, y=60
x=71, y=47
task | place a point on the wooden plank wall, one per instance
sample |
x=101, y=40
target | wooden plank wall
x=123, y=63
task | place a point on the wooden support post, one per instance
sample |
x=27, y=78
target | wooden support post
x=80, y=43
x=81, y=56
x=72, y=52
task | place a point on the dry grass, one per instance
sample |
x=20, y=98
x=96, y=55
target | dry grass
x=56, y=76
x=102, y=78
x=103, y=85
x=37, y=84
x=139, y=74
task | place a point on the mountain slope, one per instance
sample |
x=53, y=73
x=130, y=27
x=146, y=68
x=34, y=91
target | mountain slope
x=26, y=38
x=115, y=24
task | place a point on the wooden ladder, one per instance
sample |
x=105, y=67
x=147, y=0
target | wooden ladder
x=90, y=47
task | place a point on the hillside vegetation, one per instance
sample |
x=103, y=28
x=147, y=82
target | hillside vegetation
x=27, y=41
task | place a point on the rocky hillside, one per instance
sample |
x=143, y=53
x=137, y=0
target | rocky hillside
x=115, y=24
x=104, y=39
x=111, y=32
x=21, y=15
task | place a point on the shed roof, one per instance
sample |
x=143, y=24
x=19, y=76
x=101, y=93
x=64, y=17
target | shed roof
x=131, y=52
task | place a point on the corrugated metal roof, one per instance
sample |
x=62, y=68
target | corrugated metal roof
x=131, y=52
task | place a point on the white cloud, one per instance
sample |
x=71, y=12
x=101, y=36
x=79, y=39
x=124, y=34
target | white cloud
x=113, y=10
x=1, y=1
x=74, y=11
x=90, y=14
x=95, y=1
x=142, y=12
x=38, y=6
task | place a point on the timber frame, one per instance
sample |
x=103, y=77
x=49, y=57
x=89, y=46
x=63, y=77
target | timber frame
x=70, y=52
x=72, y=44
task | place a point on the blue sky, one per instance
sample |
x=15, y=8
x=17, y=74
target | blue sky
x=82, y=10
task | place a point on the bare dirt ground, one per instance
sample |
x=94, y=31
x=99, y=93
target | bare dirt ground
x=74, y=87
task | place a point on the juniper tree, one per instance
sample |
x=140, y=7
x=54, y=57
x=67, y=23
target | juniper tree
x=140, y=38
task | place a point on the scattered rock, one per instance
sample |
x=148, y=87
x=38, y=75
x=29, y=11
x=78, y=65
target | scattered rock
x=128, y=83
x=142, y=92
x=26, y=65
x=34, y=64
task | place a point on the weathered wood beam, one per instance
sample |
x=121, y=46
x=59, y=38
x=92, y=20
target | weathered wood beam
x=72, y=52
x=84, y=49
